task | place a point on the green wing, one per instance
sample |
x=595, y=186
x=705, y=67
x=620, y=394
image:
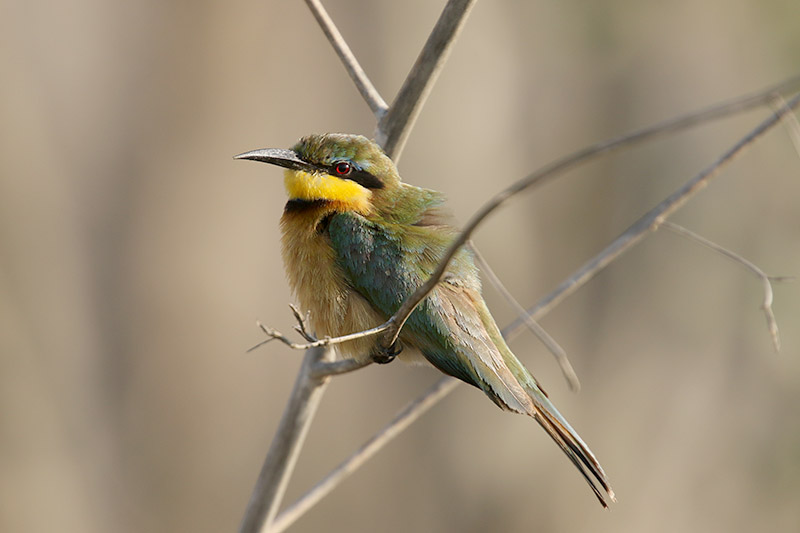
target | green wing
x=452, y=327
x=386, y=262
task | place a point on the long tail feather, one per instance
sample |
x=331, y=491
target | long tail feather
x=569, y=441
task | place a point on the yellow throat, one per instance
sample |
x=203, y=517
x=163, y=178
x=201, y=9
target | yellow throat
x=302, y=185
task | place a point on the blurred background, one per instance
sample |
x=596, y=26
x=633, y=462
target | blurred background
x=136, y=256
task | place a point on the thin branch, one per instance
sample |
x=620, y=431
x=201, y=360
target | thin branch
x=357, y=74
x=561, y=165
x=766, y=305
x=341, y=366
x=275, y=335
x=400, y=422
x=394, y=127
x=285, y=448
x=302, y=323
x=649, y=222
x=790, y=121
x=550, y=343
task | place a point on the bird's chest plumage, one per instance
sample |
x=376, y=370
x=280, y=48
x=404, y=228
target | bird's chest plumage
x=319, y=283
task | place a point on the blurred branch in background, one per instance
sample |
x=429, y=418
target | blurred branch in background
x=394, y=124
x=766, y=280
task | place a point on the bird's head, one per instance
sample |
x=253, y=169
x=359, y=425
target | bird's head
x=349, y=170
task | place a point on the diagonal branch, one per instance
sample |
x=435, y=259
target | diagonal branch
x=400, y=422
x=357, y=74
x=548, y=172
x=650, y=221
x=394, y=127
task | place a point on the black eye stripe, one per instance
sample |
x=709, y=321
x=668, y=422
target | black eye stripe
x=362, y=177
x=365, y=179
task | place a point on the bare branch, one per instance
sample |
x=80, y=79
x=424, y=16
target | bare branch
x=274, y=334
x=766, y=306
x=550, y=343
x=357, y=74
x=342, y=366
x=790, y=121
x=572, y=161
x=394, y=127
x=650, y=221
x=404, y=418
x=282, y=456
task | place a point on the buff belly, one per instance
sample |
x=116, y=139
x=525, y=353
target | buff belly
x=321, y=289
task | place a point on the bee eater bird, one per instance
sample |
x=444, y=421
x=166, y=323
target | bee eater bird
x=356, y=241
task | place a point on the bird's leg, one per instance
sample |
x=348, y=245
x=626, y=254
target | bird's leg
x=382, y=355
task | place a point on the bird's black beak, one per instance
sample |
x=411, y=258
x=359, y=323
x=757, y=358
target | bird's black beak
x=278, y=156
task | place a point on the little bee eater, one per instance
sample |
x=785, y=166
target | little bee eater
x=357, y=241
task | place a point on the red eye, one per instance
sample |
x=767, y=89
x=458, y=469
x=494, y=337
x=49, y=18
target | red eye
x=343, y=168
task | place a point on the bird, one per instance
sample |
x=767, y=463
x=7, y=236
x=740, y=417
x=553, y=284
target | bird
x=356, y=241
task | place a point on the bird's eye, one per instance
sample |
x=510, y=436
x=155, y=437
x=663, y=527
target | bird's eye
x=342, y=168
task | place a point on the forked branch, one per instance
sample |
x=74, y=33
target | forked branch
x=766, y=280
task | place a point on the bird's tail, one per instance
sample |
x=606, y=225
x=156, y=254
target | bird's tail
x=568, y=439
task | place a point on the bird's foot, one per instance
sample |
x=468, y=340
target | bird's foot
x=382, y=355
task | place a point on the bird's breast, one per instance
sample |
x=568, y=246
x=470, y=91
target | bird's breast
x=318, y=281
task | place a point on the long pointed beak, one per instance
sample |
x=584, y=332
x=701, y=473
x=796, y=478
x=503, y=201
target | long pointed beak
x=278, y=156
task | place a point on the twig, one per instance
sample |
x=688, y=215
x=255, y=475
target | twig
x=302, y=323
x=649, y=222
x=399, y=423
x=571, y=161
x=790, y=121
x=274, y=334
x=394, y=127
x=766, y=306
x=357, y=74
x=285, y=448
x=550, y=343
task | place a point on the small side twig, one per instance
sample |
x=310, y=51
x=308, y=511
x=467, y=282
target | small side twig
x=302, y=323
x=550, y=343
x=275, y=335
x=790, y=121
x=766, y=305
x=357, y=74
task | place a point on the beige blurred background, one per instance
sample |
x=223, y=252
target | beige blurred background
x=136, y=255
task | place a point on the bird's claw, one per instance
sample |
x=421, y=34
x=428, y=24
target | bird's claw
x=382, y=355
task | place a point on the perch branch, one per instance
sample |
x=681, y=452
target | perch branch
x=285, y=448
x=766, y=305
x=275, y=335
x=357, y=74
x=394, y=127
